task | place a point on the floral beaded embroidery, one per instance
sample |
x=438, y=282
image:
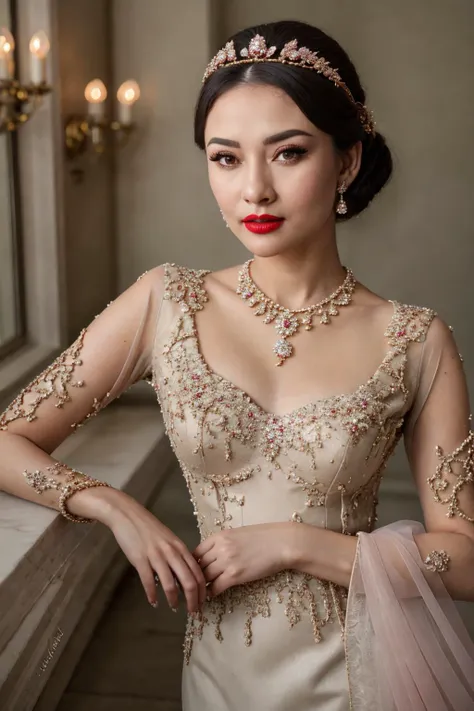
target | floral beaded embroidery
x=95, y=409
x=320, y=601
x=55, y=382
x=217, y=485
x=463, y=460
x=437, y=562
x=204, y=411
x=44, y=481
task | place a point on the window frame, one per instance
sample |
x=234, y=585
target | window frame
x=40, y=213
x=17, y=238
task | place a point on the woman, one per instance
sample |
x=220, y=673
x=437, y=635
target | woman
x=295, y=602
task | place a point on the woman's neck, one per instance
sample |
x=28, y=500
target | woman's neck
x=298, y=281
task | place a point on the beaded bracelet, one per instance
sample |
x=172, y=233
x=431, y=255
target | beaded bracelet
x=74, y=481
x=70, y=489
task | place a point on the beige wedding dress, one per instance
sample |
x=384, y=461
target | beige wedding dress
x=279, y=643
x=276, y=644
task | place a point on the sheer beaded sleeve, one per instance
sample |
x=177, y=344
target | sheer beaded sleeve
x=439, y=351
x=110, y=355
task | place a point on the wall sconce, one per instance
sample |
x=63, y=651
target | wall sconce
x=94, y=128
x=19, y=101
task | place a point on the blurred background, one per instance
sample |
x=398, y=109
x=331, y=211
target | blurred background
x=95, y=189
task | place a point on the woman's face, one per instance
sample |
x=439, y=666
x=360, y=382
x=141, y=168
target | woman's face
x=266, y=158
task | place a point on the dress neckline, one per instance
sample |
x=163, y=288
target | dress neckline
x=312, y=404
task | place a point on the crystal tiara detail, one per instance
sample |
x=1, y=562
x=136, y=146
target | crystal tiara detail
x=258, y=51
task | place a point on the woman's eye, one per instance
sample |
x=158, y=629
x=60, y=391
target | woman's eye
x=224, y=159
x=290, y=155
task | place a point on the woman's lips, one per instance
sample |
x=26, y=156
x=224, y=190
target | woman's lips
x=262, y=224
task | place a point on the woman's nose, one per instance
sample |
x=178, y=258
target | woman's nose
x=257, y=186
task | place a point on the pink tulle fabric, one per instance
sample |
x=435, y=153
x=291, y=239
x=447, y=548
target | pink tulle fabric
x=407, y=647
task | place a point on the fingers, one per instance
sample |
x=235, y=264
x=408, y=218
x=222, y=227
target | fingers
x=188, y=582
x=204, y=547
x=148, y=581
x=199, y=576
x=210, y=566
x=168, y=583
x=213, y=570
x=207, y=558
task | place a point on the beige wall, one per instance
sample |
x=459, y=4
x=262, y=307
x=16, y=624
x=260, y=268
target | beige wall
x=165, y=211
x=84, y=47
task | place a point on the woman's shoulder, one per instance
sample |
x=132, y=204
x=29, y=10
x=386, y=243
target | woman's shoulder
x=403, y=321
x=417, y=323
x=179, y=283
x=412, y=321
x=427, y=320
x=180, y=280
x=168, y=274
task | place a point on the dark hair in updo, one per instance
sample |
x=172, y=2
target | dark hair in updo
x=326, y=105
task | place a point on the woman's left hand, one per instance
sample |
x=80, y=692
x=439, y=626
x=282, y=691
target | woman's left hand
x=239, y=555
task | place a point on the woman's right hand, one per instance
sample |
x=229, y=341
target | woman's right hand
x=152, y=548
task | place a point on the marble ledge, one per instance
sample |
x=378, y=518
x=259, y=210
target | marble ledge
x=111, y=447
x=48, y=563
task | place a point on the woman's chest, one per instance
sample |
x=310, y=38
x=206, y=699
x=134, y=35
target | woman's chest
x=217, y=429
x=327, y=359
x=225, y=435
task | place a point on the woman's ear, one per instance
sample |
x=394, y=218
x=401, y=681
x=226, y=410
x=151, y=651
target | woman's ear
x=350, y=163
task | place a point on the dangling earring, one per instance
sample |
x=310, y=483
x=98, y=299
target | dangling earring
x=222, y=214
x=341, y=208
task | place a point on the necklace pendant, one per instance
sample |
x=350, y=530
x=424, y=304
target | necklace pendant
x=283, y=350
x=286, y=324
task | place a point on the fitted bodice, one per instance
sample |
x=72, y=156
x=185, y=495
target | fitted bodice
x=320, y=464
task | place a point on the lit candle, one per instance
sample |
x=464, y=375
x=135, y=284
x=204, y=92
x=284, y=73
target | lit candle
x=127, y=95
x=7, y=45
x=96, y=94
x=39, y=48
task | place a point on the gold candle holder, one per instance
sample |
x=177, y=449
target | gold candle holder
x=84, y=132
x=19, y=101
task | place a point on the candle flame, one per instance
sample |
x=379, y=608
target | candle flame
x=95, y=92
x=129, y=92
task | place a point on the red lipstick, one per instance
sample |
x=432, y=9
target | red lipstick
x=262, y=224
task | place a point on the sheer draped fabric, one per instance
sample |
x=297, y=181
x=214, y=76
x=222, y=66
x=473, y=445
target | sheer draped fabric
x=406, y=645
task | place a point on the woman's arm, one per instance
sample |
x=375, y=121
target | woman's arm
x=330, y=556
x=441, y=454
x=111, y=354
x=106, y=358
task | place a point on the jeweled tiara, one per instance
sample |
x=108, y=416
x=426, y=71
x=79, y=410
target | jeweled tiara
x=258, y=51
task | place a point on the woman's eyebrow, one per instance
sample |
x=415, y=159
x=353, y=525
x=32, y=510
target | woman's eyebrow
x=276, y=138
